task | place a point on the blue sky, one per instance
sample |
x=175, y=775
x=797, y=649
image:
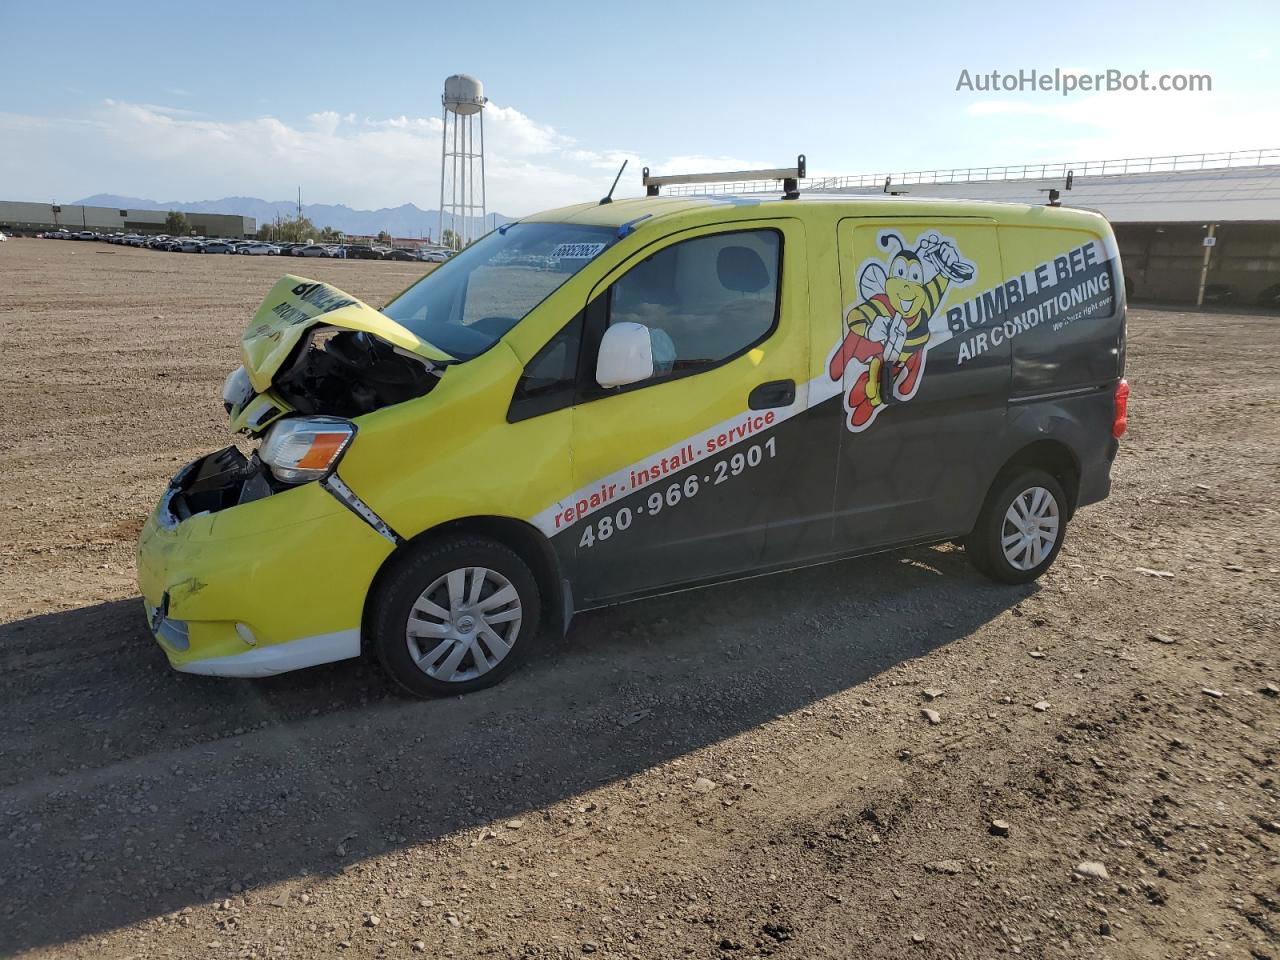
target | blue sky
x=183, y=101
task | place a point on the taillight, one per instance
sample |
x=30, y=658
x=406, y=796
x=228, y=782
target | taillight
x=1121, y=422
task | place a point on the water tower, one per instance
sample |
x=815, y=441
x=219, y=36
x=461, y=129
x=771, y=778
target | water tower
x=462, y=205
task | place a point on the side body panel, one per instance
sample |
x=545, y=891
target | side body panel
x=1067, y=330
x=916, y=466
x=818, y=484
x=680, y=480
x=452, y=453
x=800, y=527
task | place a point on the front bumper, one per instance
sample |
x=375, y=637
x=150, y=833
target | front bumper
x=257, y=588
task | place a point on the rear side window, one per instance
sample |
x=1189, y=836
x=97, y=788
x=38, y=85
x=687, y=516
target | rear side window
x=705, y=300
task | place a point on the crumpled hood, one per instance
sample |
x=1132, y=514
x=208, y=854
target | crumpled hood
x=294, y=306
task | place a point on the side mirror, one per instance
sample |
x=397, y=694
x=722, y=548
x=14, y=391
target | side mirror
x=626, y=355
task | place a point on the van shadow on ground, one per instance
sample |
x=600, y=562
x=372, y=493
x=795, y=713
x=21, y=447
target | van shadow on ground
x=130, y=791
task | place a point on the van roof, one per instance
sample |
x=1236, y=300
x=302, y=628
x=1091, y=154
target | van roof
x=622, y=211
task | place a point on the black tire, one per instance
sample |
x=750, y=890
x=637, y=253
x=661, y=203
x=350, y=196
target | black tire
x=399, y=592
x=984, y=544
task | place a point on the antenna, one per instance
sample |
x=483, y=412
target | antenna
x=608, y=197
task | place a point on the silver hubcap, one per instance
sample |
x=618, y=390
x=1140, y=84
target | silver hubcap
x=464, y=624
x=1030, y=528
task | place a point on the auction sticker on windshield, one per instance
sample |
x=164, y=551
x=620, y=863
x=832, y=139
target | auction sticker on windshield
x=577, y=251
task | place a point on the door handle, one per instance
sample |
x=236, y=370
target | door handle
x=775, y=393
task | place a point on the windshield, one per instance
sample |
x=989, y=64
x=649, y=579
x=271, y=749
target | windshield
x=466, y=305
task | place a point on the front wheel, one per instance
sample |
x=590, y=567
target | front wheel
x=1020, y=529
x=456, y=615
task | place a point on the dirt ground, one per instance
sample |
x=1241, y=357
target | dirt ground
x=738, y=772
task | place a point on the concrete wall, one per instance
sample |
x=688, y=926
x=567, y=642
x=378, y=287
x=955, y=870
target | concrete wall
x=1162, y=262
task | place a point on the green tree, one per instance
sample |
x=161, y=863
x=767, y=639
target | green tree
x=175, y=224
x=330, y=235
x=451, y=240
x=291, y=230
x=384, y=237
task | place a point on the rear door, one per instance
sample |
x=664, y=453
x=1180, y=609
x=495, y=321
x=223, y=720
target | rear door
x=914, y=467
x=679, y=477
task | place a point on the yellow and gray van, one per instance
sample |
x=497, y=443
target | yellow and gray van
x=615, y=400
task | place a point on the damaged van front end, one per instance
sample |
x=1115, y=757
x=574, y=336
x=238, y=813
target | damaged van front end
x=255, y=588
x=256, y=563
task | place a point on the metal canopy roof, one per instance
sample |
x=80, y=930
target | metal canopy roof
x=1230, y=187
x=1205, y=196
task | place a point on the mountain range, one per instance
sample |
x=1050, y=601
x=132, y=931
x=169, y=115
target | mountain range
x=406, y=220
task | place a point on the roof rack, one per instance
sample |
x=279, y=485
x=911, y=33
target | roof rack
x=1054, y=194
x=790, y=177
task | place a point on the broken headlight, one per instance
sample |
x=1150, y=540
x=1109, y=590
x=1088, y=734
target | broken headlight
x=305, y=448
x=237, y=390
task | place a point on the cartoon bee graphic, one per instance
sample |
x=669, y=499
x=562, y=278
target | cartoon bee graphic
x=891, y=323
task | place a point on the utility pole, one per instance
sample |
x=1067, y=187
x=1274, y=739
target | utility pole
x=1210, y=240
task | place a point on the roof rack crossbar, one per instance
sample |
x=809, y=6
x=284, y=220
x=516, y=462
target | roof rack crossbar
x=790, y=177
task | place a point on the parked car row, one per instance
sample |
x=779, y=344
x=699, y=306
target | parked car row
x=356, y=251
x=171, y=244
x=70, y=235
x=1222, y=295
x=255, y=247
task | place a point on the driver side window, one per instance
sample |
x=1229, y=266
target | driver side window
x=704, y=301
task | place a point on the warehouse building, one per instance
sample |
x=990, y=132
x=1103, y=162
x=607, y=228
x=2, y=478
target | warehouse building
x=1190, y=227
x=19, y=217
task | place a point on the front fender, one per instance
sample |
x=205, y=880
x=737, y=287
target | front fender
x=452, y=454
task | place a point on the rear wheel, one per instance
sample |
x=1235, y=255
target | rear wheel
x=1021, y=528
x=456, y=615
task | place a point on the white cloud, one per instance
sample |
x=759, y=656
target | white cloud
x=1113, y=125
x=168, y=153
x=700, y=163
x=605, y=160
x=170, y=111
